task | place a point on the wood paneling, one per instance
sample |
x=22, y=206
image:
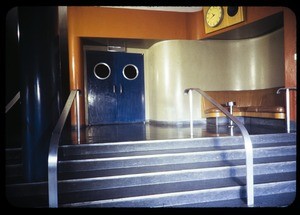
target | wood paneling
x=289, y=56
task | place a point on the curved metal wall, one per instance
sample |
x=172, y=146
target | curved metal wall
x=174, y=65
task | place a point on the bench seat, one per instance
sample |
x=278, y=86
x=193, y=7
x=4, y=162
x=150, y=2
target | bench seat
x=262, y=103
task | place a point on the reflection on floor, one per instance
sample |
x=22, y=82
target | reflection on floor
x=146, y=131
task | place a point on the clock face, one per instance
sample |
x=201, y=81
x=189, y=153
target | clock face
x=214, y=16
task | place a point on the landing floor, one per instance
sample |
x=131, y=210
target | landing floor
x=146, y=131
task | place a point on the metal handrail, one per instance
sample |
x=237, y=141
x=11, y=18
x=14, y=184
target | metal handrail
x=12, y=102
x=53, y=148
x=287, y=104
x=247, y=142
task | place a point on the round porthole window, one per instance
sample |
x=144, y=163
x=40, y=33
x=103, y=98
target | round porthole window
x=102, y=71
x=130, y=72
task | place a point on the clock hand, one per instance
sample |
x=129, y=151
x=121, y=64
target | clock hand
x=212, y=17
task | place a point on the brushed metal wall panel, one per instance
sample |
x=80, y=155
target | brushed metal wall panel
x=174, y=65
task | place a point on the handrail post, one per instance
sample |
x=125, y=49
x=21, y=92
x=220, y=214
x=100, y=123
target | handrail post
x=287, y=105
x=230, y=104
x=191, y=112
x=52, y=182
x=78, y=115
x=287, y=95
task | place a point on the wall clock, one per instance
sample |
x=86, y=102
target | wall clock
x=214, y=16
x=219, y=17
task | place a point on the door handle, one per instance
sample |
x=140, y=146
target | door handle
x=114, y=88
x=121, y=89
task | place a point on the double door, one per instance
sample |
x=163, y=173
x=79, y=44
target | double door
x=114, y=87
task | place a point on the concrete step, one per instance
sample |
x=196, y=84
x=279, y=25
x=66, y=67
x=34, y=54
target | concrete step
x=171, y=158
x=67, y=151
x=180, y=193
x=168, y=173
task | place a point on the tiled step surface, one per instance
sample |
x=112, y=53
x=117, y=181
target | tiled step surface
x=174, y=173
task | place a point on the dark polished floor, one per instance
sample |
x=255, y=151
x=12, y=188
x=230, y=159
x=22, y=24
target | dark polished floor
x=146, y=131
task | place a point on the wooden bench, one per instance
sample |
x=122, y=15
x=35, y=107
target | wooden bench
x=263, y=103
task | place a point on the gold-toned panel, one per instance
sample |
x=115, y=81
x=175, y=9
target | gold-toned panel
x=240, y=16
x=228, y=18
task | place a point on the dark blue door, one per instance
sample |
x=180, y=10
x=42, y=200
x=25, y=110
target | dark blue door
x=130, y=79
x=114, y=87
x=101, y=97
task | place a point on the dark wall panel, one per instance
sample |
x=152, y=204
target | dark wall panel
x=40, y=84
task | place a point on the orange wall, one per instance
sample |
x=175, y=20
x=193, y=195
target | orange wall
x=142, y=24
x=124, y=23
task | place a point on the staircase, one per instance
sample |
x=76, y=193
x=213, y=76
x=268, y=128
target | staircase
x=199, y=172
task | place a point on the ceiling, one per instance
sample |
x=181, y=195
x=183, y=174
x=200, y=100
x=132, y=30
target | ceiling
x=186, y=9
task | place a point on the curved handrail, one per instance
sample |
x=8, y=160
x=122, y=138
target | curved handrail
x=12, y=102
x=287, y=104
x=285, y=88
x=247, y=143
x=53, y=148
